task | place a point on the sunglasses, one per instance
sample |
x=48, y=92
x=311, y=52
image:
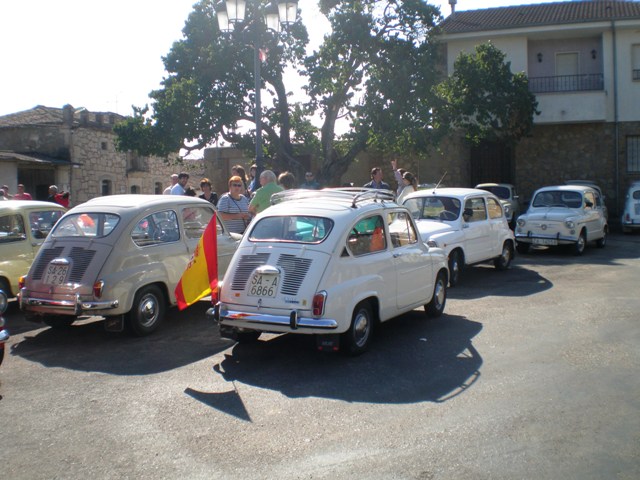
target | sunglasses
x=236, y=184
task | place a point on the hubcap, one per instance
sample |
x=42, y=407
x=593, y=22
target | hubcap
x=361, y=329
x=439, y=293
x=148, y=311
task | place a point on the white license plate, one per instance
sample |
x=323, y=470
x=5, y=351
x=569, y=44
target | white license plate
x=264, y=286
x=544, y=241
x=55, y=274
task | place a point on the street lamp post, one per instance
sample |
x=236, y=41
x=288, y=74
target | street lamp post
x=231, y=17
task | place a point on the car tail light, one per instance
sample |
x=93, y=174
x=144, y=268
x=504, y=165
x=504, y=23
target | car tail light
x=97, y=288
x=317, y=306
x=21, y=282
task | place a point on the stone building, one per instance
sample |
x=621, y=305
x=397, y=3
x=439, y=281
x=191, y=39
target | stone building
x=75, y=150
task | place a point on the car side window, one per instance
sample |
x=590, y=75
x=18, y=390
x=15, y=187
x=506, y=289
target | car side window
x=196, y=219
x=474, y=210
x=367, y=236
x=494, y=207
x=401, y=229
x=12, y=228
x=156, y=229
x=42, y=221
x=590, y=198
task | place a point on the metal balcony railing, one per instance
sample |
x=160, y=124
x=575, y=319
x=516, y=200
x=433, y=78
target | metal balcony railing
x=567, y=83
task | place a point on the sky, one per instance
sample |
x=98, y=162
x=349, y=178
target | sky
x=107, y=56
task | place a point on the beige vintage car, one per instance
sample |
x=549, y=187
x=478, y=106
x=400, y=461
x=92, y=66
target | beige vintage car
x=24, y=224
x=119, y=257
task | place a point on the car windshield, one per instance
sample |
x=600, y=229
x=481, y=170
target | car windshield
x=558, y=198
x=434, y=208
x=500, y=192
x=94, y=225
x=291, y=229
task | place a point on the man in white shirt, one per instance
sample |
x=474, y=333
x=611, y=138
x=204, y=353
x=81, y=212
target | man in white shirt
x=174, y=180
x=178, y=188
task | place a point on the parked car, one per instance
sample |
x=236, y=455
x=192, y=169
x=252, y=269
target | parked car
x=4, y=334
x=631, y=213
x=331, y=263
x=563, y=215
x=24, y=224
x=595, y=186
x=120, y=257
x=467, y=223
x=508, y=197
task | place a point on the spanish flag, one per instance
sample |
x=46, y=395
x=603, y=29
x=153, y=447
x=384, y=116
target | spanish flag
x=200, y=278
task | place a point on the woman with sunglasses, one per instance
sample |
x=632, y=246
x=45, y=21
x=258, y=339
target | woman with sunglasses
x=233, y=206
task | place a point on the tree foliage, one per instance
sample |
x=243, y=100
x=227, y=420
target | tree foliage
x=485, y=99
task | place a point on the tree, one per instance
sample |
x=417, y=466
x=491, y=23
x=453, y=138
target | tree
x=485, y=99
x=375, y=70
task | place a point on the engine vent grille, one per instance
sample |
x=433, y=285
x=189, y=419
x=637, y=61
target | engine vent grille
x=46, y=255
x=81, y=259
x=295, y=269
x=246, y=265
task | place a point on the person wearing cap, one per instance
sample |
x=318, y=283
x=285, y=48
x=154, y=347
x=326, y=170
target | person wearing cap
x=22, y=195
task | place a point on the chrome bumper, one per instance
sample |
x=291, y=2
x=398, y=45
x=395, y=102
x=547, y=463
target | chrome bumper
x=240, y=319
x=528, y=238
x=4, y=336
x=75, y=306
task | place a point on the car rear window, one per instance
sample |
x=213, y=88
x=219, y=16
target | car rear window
x=299, y=229
x=94, y=225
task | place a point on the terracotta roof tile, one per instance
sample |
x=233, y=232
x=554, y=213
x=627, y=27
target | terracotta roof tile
x=538, y=15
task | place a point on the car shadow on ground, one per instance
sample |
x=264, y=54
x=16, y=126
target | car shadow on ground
x=183, y=338
x=411, y=359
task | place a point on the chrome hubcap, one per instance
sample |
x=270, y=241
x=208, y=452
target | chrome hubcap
x=148, y=311
x=360, y=329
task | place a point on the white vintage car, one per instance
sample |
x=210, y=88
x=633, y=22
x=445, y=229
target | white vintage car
x=120, y=257
x=467, y=223
x=331, y=263
x=563, y=215
x=510, y=200
x=631, y=214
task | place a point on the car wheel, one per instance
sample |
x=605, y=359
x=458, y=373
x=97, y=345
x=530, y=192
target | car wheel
x=435, y=307
x=147, y=311
x=4, y=286
x=358, y=337
x=455, y=267
x=1, y=353
x=578, y=248
x=601, y=242
x=523, y=248
x=504, y=260
x=59, y=321
x=248, y=337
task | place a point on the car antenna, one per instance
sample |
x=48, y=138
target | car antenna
x=440, y=181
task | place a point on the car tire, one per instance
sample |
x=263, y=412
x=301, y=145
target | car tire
x=147, y=311
x=602, y=242
x=456, y=262
x=4, y=286
x=435, y=307
x=580, y=245
x=357, y=339
x=503, y=262
x=247, y=337
x=523, y=248
x=58, y=321
x=1, y=353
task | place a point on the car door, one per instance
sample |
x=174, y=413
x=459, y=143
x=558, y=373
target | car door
x=497, y=226
x=414, y=277
x=475, y=226
x=594, y=215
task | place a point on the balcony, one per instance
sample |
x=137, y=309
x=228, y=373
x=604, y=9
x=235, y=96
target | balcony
x=567, y=83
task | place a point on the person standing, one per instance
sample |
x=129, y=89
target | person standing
x=310, y=182
x=178, y=188
x=22, y=195
x=262, y=199
x=397, y=174
x=238, y=170
x=376, y=180
x=409, y=185
x=7, y=195
x=233, y=206
x=254, y=181
x=2, y=196
x=207, y=191
x=174, y=180
x=287, y=180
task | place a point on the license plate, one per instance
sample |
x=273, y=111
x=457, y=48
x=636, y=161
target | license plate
x=544, y=241
x=264, y=286
x=56, y=274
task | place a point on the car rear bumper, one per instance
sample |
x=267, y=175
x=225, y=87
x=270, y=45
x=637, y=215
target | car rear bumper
x=269, y=322
x=68, y=306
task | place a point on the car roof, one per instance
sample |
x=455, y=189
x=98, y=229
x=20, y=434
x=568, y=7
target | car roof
x=449, y=192
x=123, y=203
x=566, y=188
x=508, y=185
x=28, y=204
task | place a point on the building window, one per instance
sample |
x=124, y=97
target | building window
x=159, y=189
x=106, y=187
x=633, y=154
x=103, y=145
x=635, y=62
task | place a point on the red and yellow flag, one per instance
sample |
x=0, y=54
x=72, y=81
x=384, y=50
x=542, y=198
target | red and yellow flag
x=200, y=278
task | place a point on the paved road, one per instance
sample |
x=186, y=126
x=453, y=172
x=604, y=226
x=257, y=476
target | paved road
x=531, y=373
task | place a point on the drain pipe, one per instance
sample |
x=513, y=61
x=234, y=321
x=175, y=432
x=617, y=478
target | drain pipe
x=615, y=113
